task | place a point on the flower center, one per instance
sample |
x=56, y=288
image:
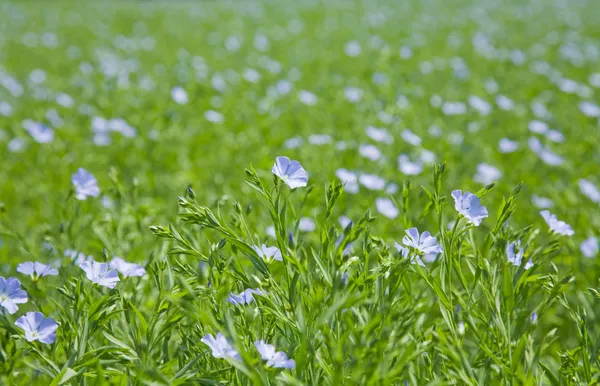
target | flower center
x=3, y=297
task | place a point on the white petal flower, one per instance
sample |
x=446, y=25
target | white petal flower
x=423, y=243
x=220, y=346
x=589, y=247
x=99, y=273
x=274, y=359
x=557, y=226
x=85, y=184
x=386, y=207
x=469, y=205
x=290, y=172
x=127, y=269
x=268, y=253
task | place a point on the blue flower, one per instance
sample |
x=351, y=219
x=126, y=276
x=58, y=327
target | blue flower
x=423, y=243
x=290, y=172
x=85, y=184
x=589, y=247
x=99, y=273
x=557, y=226
x=36, y=269
x=268, y=253
x=37, y=327
x=244, y=297
x=274, y=359
x=126, y=269
x=469, y=206
x=220, y=346
x=514, y=257
x=11, y=294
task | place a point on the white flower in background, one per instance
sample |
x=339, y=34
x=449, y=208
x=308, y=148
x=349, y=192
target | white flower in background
x=504, y=102
x=427, y=157
x=507, y=146
x=293, y=143
x=125, y=268
x=411, y=137
x=85, y=184
x=386, y=207
x=555, y=136
x=251, y=75
x=469, y=206
x=479, y=104
x=589, y=247
x=244, y=297
x=98, y=273
x=370, y=152
x=38, y=131
x=269, y=254
x=589, y=190
x=214, y=116
x=407, y=167
x=542, y=202
x=307, y=224
x=353, y=94
x=486, y=174
x=179, y=95
x=220, y=346
x=454, y=108
x=406, y=52
x=589, y=109
x=391, y=189
x=352, y=48
x=349, y=179
x=557, y=226
x=5, y=109
x=372, y=181
x=290, y=172
x=379, y=135
x=274, y=359
x=307, y=97
x=319, y=139
x=538, y=127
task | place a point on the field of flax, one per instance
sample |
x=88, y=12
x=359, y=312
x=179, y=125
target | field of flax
x=300, y=192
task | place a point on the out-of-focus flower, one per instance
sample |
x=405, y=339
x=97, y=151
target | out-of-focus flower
x=127, y=269
x=85, y=184
x=589, y=247
x=542, y=202
x=274, y=359
x=386, y=207
x=589, y=190
x=307, y=224
x=557, y=226
x=220, y=346
x=486, y=174
x=507, y=146
x=407, y=167
x=372, y=181
x=244, y=297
